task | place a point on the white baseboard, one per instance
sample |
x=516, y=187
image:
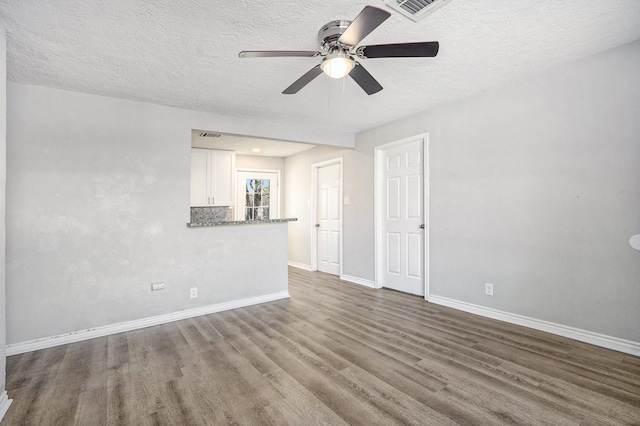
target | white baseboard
x=609, y=342
x=356, y=280
x=300, y=265
x=5, y=402
x=77, y=336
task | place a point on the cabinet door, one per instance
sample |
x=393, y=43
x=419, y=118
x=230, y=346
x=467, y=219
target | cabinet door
x=222, y=177
x=200, y=177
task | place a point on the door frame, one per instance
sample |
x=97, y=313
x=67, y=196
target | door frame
x=314, y=208
x=249, y=170
x=379, y=206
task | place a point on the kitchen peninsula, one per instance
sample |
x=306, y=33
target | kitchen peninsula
x=238, y=222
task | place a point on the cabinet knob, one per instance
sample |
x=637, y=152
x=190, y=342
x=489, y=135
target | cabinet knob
x=317, y=225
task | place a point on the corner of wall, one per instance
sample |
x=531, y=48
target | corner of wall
x=4, y=399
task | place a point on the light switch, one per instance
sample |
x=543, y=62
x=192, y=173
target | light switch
x=346, y=200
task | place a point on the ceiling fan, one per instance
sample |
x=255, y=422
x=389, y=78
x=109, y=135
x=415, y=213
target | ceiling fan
x=338, y=40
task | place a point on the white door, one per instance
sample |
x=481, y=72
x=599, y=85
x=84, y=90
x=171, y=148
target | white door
x=328, y=219
x=402, y=234
x=257, y=195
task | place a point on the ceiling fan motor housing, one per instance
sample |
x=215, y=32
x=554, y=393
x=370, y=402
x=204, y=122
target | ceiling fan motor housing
x=330, y=33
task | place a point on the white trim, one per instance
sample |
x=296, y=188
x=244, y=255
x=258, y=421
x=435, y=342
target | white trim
x=425, y=219
x=300, y=265
x=78, y=336
x=5, y=402
x=356, y=280
x=379, y=206
x=609, y=342
x=314, y=208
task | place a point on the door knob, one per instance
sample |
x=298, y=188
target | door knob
x=422, y=226
x=317, y=225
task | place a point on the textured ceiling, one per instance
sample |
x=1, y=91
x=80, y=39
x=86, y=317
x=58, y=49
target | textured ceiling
x=184, y=53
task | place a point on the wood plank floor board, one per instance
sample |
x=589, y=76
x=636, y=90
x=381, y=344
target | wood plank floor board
x=284, y=413
x=386, y=317
x=22, y=368
x=327, y=384
x=403, y=353
x=591, y=404
x=401, y=406
x=404, y=377
x=238, y=377
x=514, y=378
x=197, y=341
x=28, y=403
x=245, y=342
x=315, y=345
x=391, y=323
x=92, y=404
x=576, y=375
x=300, y=403
x=117, y=350
x=258, y=339
x=205, y=389
x=132, y=393
x=500, y=395
x=344, y=397
x=334, y=353
x=417, y=343
x=474, y=330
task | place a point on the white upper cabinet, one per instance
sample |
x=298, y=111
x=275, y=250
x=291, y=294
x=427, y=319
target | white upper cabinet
x=212, y=177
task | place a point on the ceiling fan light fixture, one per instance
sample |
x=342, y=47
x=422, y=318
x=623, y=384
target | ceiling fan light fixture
x=337, y=65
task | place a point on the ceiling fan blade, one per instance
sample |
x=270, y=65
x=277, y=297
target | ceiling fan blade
x=367, y=21
x=365, y=80
x=278, y=53
x=400, y=50
x=303, y=81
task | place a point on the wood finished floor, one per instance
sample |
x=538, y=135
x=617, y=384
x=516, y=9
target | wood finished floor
x=334, y=354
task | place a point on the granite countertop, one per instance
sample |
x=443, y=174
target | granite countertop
x=239, y=222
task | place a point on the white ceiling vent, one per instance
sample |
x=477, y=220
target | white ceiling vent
x=416, y=9
x=210, y=135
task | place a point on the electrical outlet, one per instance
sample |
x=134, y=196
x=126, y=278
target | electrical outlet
x=157, y=286
x=488, y=289
x=194, y=292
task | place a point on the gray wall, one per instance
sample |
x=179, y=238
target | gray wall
x=3, y=173
x=260, y=162
x=357, y=218
x=535, y=187
x=97, y=205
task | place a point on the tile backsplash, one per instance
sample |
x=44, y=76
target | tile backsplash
x=211, y=214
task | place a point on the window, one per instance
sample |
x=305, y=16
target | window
x=257, y=197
